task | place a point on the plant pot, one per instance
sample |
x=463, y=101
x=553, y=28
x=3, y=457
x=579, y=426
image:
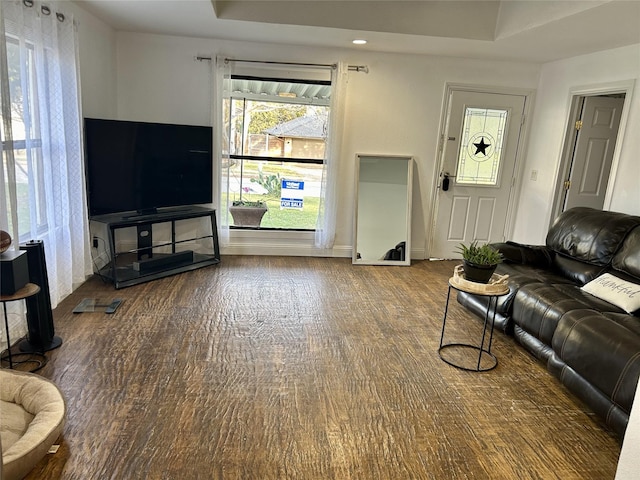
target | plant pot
x=478, y=273
x=244, y=216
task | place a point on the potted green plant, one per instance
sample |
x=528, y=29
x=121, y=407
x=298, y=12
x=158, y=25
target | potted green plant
x=479, y=261
x=247, y=213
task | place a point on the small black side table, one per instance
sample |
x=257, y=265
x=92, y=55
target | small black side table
x=490, y=360
x=37, y=358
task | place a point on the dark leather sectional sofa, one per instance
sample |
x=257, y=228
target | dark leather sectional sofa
x=590, y=345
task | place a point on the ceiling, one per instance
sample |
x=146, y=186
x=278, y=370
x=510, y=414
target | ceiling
x=523, y=30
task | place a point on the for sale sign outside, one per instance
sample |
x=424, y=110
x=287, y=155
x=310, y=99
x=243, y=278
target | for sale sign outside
x=292, y=194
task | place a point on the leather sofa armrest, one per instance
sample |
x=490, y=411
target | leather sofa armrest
x=534, y=255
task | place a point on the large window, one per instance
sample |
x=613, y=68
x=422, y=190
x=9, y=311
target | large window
x=26, y=146
x=277, y=131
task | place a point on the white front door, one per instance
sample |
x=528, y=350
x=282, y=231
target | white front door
x=477, y=174
x=597, y=131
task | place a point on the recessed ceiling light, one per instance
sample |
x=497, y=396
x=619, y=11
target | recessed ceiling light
x=359, y=42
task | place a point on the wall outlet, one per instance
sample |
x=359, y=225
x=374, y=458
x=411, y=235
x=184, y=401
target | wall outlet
x=100, y=262
x=534, y=175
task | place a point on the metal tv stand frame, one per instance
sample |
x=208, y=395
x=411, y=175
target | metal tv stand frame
x=151, y=261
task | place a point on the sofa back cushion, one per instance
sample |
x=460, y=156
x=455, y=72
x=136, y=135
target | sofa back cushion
x=589, y=235
x=627, y=260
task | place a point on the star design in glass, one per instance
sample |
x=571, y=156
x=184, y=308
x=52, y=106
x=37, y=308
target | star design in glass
x=481, y=147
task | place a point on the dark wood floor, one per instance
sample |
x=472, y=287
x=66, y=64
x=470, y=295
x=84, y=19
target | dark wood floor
x=304, y=368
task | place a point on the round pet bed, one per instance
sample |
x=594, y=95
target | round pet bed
x=32, y=411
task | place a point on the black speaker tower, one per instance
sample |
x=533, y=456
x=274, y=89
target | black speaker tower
x=41, y=336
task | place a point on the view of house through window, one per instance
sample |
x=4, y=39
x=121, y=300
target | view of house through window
x=277, y=133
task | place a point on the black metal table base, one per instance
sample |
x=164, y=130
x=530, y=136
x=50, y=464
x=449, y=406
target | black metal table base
x=485, y=359
x=18, y=359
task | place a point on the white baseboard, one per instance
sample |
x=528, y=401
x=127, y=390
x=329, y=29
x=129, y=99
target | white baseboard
x=296, y=250
x=284, y=250
x=268, y=243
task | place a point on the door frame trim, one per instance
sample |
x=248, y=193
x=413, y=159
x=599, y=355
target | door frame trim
x=575, y=93
x=516, y=180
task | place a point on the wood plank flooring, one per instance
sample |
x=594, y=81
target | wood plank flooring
x=304, y=368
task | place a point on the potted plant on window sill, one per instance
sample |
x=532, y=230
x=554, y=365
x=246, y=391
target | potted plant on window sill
x=247, y=213
x=479, y=261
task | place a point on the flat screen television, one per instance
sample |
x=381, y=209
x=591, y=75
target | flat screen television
x=142, y=166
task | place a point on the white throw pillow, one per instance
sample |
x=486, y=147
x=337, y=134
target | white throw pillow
x=612, y=289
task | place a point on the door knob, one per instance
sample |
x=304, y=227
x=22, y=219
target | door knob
x=445, y=182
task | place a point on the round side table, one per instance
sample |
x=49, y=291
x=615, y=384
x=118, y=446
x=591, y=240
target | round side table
x=37, y=358
x=486, y=360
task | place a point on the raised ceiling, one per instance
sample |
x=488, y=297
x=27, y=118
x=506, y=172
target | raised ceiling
x=475, y=20
x=523, y=30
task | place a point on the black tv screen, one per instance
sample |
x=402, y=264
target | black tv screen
x=141, y=166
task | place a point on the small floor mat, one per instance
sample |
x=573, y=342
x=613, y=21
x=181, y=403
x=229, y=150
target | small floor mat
x=94, y=305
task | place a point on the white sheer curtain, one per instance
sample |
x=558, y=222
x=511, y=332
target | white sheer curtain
x=221, y=132
x=43, y=191
x=326, y=226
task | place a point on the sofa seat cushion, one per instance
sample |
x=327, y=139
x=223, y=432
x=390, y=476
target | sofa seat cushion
x=519, y=275
x=478, y=304
x=538, y=307
x=604, y=349
x=630, y=322
x=32, y=412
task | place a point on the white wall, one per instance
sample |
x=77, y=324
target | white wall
x=551, y=113
x=629, y=463
x=97, y=54
x=395, y=109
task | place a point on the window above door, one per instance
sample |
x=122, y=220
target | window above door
x=479, y=158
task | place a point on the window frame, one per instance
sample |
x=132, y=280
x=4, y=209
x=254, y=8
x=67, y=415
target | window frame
x=464, y=155
x=254, y=97
x=32, y=142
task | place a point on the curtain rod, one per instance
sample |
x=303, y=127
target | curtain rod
x=353, y=68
